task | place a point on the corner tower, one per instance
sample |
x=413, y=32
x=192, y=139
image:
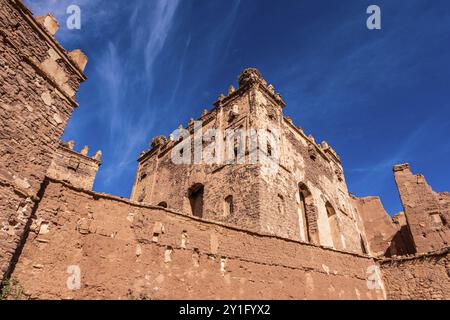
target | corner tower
x=38, y=83
x=305, y=198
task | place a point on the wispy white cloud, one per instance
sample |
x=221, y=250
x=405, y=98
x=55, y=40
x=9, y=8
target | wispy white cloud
x=150, y=24
x=95, y=15
x=180, y=70
x=217, y=39
x=138, y=40
x=111, y=71
x=383, y=168
x=160, y=23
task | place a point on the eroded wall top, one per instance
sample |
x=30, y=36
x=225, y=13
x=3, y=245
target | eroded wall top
x=77, y=169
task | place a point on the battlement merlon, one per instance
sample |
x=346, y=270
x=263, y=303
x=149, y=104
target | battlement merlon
x=70, y=145
x=77, y=169
x=330, y=152
x=48, y=26
x=248, y=78
x=401, y=167
x=60, y=65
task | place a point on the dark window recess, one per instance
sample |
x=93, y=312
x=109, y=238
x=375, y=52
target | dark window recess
x=363, y=245
x=196, y=199
x=228, y=206
x=269, y=149
x=162, y=204
x=143, y=176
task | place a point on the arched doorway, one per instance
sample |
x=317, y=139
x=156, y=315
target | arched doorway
x=334, y=229
x=306, y=214
x=228, y=207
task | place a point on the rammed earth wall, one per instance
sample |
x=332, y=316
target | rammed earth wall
x=127, y=250
x=424, y=276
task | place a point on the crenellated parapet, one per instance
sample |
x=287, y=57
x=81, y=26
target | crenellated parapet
x=77, y=169
x=63, y=69
x=76, y=57
x=330, y=151
x=251, y=77
x=314, y=148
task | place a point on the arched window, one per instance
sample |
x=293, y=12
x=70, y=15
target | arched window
x=332, y=220
x=306, y=214
x=195, y=194
x=162, y=204
x=228, y=207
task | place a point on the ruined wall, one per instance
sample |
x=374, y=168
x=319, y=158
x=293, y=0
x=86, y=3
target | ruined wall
x=424, y=276
x=38, y=81
x=16, y=207
x=77, y=169
x=130, y=251
x=444, y=206
x=426, y=211
x=385, y=236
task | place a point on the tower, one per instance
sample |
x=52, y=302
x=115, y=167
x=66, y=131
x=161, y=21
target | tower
x=295, y=188
x=38, y=83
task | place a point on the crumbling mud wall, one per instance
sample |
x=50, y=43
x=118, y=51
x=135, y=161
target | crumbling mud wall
x=77, y=169
x=126, y=250
x=16, y=205
x=424, y=276
x=386, y=236
x=378, y=226
x=427, y=212
x=38, y=81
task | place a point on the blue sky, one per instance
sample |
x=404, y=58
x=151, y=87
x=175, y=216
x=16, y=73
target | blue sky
x=378, y=97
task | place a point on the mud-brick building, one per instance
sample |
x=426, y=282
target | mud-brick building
x=305, y=198
x=195, y=230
